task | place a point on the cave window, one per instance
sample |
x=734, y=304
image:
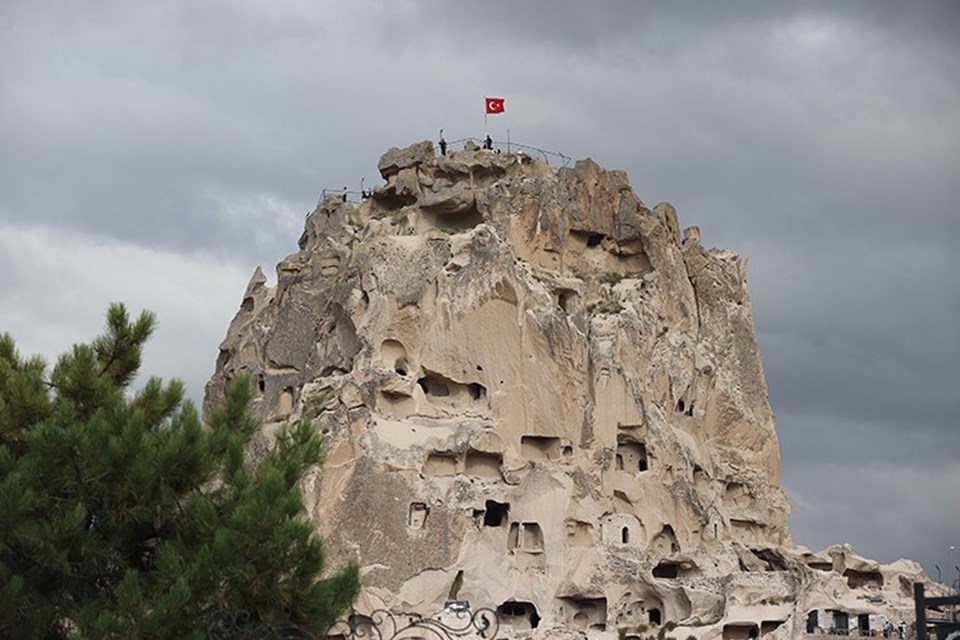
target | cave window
x=477, y=391
x=668, y=570
x=261, y=383
x=495, y=514
x=513, y=614
x=417, y=516
x=625, y=535
x=654, y=616
x=690, y=409
x=631, y=457
x=525, y=536
x=680, y=405
x=594, y=239
x=813, y=621
x=567, y=300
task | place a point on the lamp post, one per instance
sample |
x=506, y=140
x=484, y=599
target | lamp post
x=950, y=550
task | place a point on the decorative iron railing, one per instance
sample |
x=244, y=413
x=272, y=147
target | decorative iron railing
x=457, y=622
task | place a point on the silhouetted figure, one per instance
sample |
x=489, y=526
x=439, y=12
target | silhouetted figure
x=344, y=196
x=488, y=143
x=443, y=147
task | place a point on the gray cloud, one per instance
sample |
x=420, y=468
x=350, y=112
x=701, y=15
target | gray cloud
x=820, y=140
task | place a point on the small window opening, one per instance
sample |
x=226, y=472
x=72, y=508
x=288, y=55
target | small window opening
x=690, y=409
x=680, y=405
x=668, y=570
x=631, y=457
x=625, y=535
x=519, y=614
x=261, y=383
x=526, y=536
x=594, y=239
x=654, y=616
x=417, y=516
x=477, y=391
x=813, y=621
x=567, y=300
x=495, y=514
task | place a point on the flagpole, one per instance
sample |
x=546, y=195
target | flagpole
x=508, y=139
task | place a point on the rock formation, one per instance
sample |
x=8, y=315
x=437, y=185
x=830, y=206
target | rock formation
x=538, y=397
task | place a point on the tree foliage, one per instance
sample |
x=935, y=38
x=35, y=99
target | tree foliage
x=123, y=516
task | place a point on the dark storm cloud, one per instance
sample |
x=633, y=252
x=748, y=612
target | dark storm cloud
x=820, y=139
x=569, y=23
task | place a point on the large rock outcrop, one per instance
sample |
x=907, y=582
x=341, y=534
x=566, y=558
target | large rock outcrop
x=539, y=397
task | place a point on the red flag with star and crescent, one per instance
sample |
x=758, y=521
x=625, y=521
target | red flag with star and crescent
x=494, y=105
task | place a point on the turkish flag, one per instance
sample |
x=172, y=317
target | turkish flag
x=494, y=105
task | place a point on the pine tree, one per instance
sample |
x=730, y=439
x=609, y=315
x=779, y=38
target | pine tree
x=122, y=516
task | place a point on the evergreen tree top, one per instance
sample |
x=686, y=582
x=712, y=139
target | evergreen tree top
x=121, y=515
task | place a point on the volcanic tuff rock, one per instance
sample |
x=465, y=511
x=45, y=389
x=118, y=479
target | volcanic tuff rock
x=538, y=397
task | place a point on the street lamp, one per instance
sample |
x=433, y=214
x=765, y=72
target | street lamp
x=950, y=550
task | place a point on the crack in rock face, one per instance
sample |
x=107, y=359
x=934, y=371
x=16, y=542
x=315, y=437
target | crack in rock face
x=537, y=396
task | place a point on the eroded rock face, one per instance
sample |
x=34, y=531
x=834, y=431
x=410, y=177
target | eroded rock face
x=538, y=397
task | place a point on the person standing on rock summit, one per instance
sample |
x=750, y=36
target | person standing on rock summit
x=443, y=144
x=488, y=143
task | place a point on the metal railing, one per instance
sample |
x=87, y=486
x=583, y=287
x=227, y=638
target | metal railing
x=349, y=195
x=455, y=623
x=509, y=147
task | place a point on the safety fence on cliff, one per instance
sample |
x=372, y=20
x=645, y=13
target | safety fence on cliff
x=498, y=146
x=552, y=158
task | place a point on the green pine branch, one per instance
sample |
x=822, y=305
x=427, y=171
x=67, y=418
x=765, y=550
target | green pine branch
x=123, y=515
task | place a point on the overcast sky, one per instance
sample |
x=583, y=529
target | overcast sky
x=156, y=151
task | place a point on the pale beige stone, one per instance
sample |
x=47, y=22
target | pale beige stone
x=537, y=397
